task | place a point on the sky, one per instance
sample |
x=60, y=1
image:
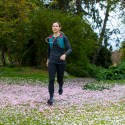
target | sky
x=113, y=22
x=116, y=22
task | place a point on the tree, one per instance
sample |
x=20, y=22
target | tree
x=14, y=28
x=122, y=51
x=80, y=34
x=7, y=21
x=104, y=57
x=102, y=33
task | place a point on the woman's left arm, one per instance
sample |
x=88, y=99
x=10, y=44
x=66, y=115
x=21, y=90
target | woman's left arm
x=68, y=48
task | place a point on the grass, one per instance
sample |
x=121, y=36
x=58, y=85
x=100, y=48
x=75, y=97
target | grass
x=88, y=114
x=27, y=74
x=21, y=116
x=93, y=86
x=101, y=85
x=24, y=73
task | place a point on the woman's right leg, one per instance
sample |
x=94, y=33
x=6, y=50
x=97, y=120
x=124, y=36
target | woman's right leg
x=52, y=72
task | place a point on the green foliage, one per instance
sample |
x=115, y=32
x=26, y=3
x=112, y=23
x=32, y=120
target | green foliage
x=113, y=73
x=24, y=33
x=93, y=70
x=92, y=86
x=73, y=28
x=15, y=27
x=122, y=50
x=78, y=70
x=104, y=58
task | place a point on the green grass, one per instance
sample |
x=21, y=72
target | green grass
x=95, y=114
x=104, y=84
x=21, y=116
x=93, y=86
x=88, y=114
x=25, y=73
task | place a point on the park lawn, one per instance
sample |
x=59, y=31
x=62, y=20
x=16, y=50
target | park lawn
x=35, y=74
x=24, y=73
x=88, y=114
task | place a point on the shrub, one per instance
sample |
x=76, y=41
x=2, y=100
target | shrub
x=113, y=73
x=77, y=70
x=93, y=70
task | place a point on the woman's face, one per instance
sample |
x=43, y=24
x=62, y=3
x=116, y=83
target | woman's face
x=56, y=28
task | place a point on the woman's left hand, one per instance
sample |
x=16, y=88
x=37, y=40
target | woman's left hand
x=63, y=57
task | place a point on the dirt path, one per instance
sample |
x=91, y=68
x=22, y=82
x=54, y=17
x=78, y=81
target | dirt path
x=37, y=95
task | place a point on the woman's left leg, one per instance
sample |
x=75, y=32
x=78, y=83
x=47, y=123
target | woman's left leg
x=60, y=75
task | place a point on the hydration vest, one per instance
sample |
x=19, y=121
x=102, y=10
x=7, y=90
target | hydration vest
x=60, y=41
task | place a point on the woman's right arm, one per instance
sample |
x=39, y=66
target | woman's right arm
x=48, y=54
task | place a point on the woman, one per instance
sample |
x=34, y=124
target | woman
x=58, y=48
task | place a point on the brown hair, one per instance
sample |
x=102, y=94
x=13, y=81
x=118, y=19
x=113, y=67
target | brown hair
x=57, y=23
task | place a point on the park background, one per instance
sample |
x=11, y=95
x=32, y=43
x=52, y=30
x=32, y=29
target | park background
x=95, y=64
x=26, y=24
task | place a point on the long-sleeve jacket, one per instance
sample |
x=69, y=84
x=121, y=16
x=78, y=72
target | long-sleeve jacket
x=56, y=51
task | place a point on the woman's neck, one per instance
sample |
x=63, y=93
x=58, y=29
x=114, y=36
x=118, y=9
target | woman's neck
x=56, y=34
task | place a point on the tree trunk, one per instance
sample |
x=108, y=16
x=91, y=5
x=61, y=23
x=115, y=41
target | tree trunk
x=63, y=4
x=3, y=55
x=78, y=6
x=102, y=32
x=10, y=58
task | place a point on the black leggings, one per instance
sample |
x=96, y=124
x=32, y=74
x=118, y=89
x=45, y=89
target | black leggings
x=53, y=69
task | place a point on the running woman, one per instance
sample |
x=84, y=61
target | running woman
x=58, y=48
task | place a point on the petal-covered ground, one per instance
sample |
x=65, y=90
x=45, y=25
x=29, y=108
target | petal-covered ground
x=36, y=96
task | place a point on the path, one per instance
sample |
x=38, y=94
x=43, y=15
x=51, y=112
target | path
x=37, y=95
